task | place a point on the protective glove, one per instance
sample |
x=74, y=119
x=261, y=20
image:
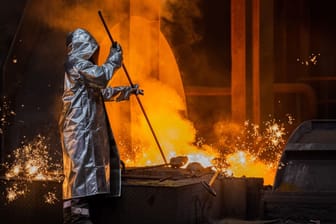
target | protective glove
x=124, y=92
x=116, y=55
x=135, y=90
x=116, y=46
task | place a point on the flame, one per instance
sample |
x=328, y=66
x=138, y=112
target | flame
x=244, y=164
x=156, y=72
x=251, y=150
x=244, y=149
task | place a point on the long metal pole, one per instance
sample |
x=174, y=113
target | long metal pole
x=137, y=97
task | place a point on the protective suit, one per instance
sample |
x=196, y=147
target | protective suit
x=87, y=142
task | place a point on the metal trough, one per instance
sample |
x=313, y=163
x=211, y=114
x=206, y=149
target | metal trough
x=149, y=195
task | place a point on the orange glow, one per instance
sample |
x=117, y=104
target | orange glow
x=244, y=150
x=244, y=164
x=156, y=71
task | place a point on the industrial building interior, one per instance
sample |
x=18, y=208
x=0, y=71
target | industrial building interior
x=213, y=72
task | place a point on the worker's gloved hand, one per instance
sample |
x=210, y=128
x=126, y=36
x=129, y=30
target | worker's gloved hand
x=124, y=92
x=116, y=55
x=116, y=46
x=135, y=90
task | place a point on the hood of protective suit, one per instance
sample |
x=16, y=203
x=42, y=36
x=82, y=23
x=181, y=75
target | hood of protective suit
x=81, y=44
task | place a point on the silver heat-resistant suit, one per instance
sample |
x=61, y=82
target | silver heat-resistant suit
x=85, y=136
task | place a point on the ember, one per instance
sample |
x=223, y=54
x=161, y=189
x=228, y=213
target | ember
x=312, y=60
x=50, y=198
x=6, y=113
x=239, y=150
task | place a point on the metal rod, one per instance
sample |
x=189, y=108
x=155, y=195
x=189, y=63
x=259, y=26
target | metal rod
x=208, y=186
x=214, y=177
x=137, y=97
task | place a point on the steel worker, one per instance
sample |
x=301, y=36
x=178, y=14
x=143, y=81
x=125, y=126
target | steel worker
x=90, y=156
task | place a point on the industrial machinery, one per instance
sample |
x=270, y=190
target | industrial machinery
x=304, y=188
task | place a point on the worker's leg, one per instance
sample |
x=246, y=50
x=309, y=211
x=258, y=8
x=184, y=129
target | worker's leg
x=76, y=211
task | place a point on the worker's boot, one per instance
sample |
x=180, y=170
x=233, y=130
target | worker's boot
x=76, y=211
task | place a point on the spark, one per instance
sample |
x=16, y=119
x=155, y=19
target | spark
x=312, y=60
x=6, y=114
x=14, y=192
x=252, y=149
x=50, y=198
x=31, y=169
x=31, y=162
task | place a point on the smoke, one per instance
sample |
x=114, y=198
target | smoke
x=136, y=25
x=180, y=22
x=68, y=15
x=6, y=113
x=180, y=17
x=152, y=65
x=199, y=38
